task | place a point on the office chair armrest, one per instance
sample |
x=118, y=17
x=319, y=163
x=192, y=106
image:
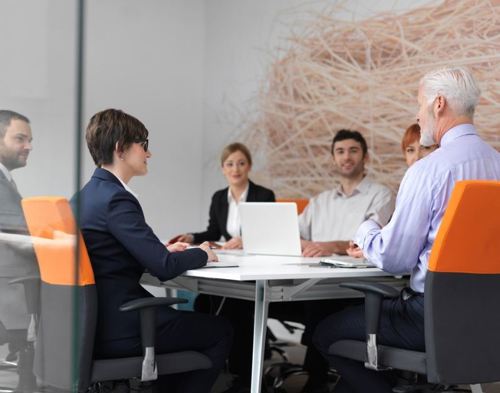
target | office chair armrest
x=146, y=302
x=26, y=279
x=147, y=311
x=381, y=289
x=31, y=286
x=374, y=294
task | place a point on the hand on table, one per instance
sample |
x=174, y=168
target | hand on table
x=215, y=245
x=205, y=246
x=184, y=238
x=233, y=244
x=314, y=249
x=177, y=246
x=354, y=251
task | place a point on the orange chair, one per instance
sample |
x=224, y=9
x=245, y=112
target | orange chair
x=462, y=289
x=300, y=202
x=68, y=303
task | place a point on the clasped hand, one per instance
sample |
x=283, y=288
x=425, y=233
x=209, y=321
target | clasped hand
x=205, y=246
x=354, y=250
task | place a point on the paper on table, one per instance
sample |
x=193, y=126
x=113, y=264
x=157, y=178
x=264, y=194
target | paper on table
x=220, y=264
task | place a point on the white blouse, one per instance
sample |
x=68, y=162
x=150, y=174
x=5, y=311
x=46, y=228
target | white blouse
x=233, y=225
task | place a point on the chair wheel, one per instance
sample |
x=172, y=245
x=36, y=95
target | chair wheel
x=276, y=375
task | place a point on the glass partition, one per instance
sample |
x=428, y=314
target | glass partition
x=41, y=286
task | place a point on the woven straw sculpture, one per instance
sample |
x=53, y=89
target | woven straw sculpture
x=364, y=76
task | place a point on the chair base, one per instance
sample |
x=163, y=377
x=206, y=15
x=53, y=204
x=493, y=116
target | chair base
x=128, y=368
x=275, y=376
x=388, y=356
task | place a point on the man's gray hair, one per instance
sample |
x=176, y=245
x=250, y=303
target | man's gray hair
x=456, y=85
x=6, y=117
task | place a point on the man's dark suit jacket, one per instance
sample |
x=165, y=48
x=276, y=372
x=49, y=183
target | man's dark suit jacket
x=13, y=263
x=11, y=214
x=219, y=208
x=121, y=247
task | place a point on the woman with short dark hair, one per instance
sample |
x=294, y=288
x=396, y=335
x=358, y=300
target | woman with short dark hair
x=122, y=246
x=236, y=163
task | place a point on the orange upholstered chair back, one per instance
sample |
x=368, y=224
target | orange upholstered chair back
x=53, y=229
x=300, y=202
x=468, y=240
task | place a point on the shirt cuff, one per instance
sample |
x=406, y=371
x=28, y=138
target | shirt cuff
x=367, y=227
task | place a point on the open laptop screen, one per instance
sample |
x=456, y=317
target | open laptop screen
x=270, y=228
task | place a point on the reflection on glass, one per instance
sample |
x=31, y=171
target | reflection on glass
x=52, y=227
x=18, y=267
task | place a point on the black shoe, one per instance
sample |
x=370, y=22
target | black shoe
x=11, y=357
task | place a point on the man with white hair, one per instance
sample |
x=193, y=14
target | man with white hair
x=447, y=99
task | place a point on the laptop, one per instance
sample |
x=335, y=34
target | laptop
x=270, y=228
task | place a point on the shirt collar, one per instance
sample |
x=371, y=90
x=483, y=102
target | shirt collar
x=457, y=132
x=127, y=188
x=6, y=172
x=362, y=186
x=243, y=196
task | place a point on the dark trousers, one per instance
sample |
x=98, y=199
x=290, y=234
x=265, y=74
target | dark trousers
x=18, y=344
x=401, y=325
x=241, y=315
x=181, y=331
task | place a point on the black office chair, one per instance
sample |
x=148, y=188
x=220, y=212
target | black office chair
x=277, y=372
x=282, y=373
x=68, y=311
x=462, y=291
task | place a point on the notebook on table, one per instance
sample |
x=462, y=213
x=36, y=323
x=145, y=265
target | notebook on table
x=270, y=228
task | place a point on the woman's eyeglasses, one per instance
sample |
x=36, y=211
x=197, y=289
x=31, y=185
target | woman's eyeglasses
x=144, y=143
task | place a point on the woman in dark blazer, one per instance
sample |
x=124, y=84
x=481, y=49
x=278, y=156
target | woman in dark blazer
x=236, y=163
x=122, y=246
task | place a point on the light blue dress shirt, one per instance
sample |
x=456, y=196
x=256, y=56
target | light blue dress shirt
x=405, y=243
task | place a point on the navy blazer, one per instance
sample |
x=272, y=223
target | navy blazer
x=219, y=208
x=121, y=247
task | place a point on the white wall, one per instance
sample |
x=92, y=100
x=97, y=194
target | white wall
x=37, y=79
x=146, y=57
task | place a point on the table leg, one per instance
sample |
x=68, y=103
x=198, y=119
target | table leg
x=259, y=333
